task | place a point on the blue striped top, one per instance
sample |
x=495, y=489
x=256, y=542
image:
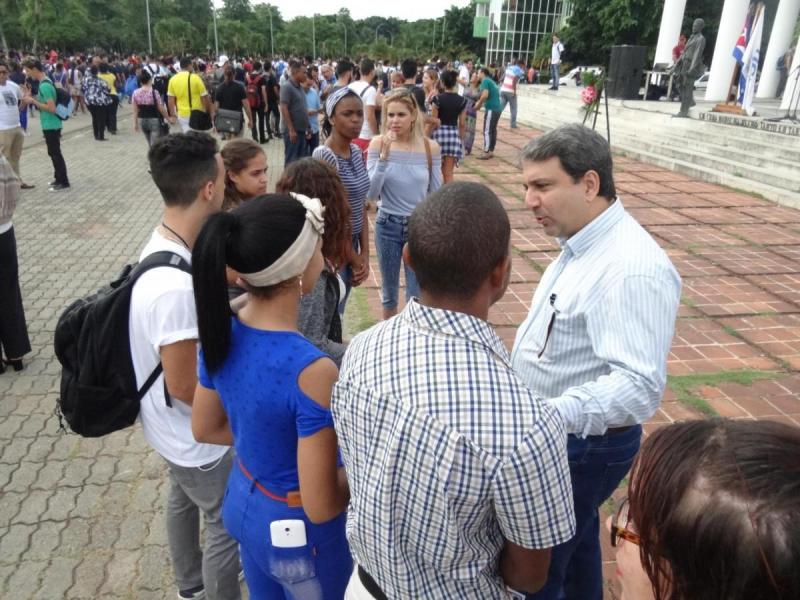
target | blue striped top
x=355, y=180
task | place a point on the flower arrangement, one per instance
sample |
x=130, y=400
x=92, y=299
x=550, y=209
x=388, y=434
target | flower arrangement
x=592, y=92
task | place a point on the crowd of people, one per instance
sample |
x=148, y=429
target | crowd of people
x=420, y=459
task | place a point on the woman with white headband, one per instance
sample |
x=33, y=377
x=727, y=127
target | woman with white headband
x=265, y=389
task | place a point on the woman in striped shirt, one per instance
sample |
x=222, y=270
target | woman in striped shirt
x=344, y=116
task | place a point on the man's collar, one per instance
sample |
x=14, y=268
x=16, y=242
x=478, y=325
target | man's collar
x=595, y=229
x=455, y=324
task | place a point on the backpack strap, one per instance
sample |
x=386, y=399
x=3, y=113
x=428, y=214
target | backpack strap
x=163, y=258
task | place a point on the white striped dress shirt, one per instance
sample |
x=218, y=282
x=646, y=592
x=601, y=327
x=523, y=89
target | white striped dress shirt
x=596, y=340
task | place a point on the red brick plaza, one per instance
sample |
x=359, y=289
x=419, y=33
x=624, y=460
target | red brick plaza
x=736, y=351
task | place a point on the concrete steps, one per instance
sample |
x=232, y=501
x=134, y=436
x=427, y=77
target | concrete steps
x=753, y=160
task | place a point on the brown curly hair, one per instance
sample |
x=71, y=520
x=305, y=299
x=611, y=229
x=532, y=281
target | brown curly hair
x=236, y=154
x=316, y=179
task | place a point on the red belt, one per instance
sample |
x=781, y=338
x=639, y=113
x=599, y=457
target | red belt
x=292, y=499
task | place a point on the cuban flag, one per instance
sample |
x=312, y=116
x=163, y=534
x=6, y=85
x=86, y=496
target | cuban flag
x=751, y=58
x=739, y=50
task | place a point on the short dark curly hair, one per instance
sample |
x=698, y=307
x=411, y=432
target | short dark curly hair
x=456, y=237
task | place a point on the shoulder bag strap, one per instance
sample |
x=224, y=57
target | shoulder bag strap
x=430, y=161
x=189, y=87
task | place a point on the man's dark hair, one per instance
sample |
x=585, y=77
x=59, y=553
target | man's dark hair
x=181, y=164
x=580, y=150
x=456, y=237
x=449, y=79
x=104, y=67
x=32, y=63
x=367, y=66
x=256, y=66
x=185, y=63
x=409, y=68
x=486, y=71
x=295, y=65
x=342, y=67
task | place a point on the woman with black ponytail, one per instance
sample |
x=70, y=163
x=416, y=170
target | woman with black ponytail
x=265, y=389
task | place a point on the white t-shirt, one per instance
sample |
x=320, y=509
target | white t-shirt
x=163, y=313
x=368, y=96
x=555, y=53
x=10, y=95
x=463, y=73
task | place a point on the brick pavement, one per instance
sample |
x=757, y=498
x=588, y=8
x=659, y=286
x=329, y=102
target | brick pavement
x=83, y=518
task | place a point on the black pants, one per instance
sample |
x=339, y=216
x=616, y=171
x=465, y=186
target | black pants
x=259, y=121
x=13, y=331
x=274, y=121
x=111, y=115
x=490, y=120
x=98, y=120
x=52, y=138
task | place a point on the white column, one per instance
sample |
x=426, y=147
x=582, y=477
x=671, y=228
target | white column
x=792, y=85
x=779, y=41
x=671, y=21
x=722, y=65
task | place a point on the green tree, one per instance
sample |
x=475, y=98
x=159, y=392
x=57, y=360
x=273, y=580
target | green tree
x=59, y=25
x=234, y=36
x=174, y=35
x=237, y=10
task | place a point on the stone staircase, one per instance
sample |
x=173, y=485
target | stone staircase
x=762, y=162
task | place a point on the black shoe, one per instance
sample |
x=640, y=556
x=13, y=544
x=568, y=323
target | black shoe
x=57, y=187
x=263, y=140
x=195, y=593
x=102, y=139
x=16, y=364
x=112, y=132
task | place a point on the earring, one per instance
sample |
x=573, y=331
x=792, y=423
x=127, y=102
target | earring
x=300, y=280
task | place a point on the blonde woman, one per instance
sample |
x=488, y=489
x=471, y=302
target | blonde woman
x=431, y=87
x=404, y=167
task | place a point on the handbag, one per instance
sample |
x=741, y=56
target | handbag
x=228, y=121
x=199, y=120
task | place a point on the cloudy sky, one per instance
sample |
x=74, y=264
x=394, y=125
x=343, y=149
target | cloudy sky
x=359, y=9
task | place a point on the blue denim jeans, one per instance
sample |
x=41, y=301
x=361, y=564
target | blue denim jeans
x=247, y=514
x=296, y=151
x=509, y=98
x=597, y=465
x=554, y=76
x=391, y=234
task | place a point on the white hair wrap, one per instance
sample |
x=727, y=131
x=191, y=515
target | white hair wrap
x=295, y=260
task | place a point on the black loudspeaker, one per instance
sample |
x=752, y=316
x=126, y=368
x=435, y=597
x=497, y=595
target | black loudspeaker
x=625, y=72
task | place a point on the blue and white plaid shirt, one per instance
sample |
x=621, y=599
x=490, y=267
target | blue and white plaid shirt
x=448, y=455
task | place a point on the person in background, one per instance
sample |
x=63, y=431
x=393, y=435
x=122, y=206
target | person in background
x=75, y=80
x=464, y=75
x=14, y=341
x=678, y=49
x=515, y=72
x=111, y=112
x=256, y=80
x=368, y=94
x=45, y=101
x=245, y=172
x=404, y=167
x=273, y=113
x=431, y=88
x=489, y=100
x=712, y=513
x=314, y=110
x=344, y=120
x=449, y=108
x=556, y=51
x=231, y=95
x=294, y=113
x=265, y=389
x=148, y=109
x=186, y=91
x=596, y=340
x=319, y=319
x=11, y=135
x=98, y=99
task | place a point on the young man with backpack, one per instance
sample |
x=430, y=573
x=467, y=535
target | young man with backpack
x=189, y=172
x=46, y=101
x=256, y=85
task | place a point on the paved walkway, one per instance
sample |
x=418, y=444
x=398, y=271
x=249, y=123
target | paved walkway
x=83, y=518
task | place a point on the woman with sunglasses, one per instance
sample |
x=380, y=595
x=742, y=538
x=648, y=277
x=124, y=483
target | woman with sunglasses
x=404, y=167
x=713, y=513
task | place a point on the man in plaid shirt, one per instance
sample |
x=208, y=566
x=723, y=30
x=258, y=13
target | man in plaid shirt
x=458, y=473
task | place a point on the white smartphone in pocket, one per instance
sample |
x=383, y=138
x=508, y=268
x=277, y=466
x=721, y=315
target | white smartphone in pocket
x=289, y=533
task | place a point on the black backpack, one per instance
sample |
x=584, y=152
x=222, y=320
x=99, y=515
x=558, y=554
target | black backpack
x=99, y=394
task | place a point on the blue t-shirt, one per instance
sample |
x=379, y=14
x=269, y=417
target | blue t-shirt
x=267, y=410
x=313, y=103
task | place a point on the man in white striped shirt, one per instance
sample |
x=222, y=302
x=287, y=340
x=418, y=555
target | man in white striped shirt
x=596, y=340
